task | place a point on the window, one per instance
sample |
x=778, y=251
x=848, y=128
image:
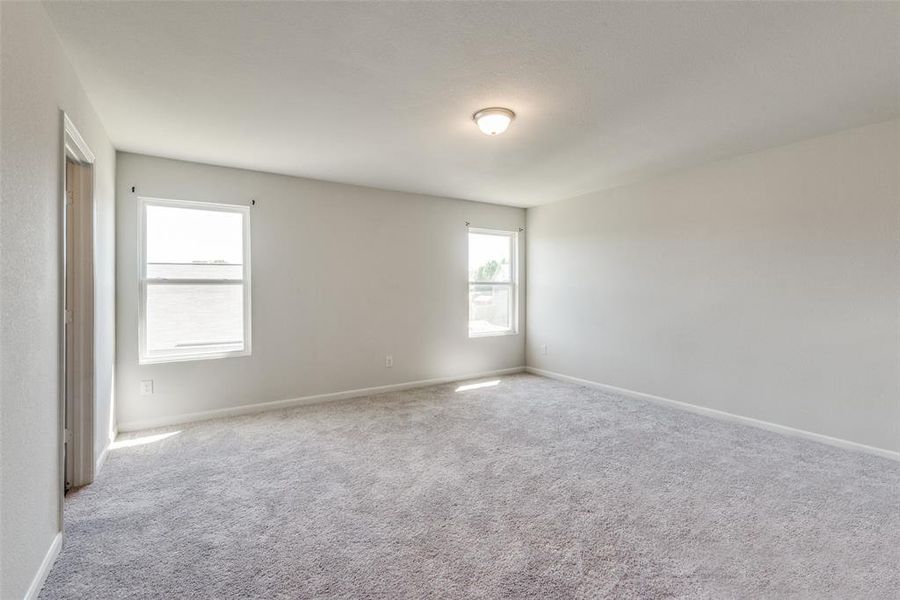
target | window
x=195, y=280
x=492, y=282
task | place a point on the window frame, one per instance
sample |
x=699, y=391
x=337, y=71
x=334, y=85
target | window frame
x=144, y=357
x=513, y=283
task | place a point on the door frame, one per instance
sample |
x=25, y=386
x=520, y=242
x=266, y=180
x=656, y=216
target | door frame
x=80, y=436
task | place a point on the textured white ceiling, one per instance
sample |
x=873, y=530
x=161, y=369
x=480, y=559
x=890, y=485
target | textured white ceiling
x=382, y=94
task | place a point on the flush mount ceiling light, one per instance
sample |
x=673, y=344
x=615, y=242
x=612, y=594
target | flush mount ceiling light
x=493, y=121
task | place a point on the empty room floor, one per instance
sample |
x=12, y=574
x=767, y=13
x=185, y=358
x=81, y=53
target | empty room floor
x=520, y=487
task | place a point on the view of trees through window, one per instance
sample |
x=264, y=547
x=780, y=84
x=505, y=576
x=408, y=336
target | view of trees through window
x=491, y=283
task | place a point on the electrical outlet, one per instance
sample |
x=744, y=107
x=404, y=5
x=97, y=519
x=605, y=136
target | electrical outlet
x=389, y=360
x=543, y=348
x=146, y=387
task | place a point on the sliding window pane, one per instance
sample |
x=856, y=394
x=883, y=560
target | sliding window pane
x=188, y=243
x=490, y=309
x=490, y=257
x=186, y=318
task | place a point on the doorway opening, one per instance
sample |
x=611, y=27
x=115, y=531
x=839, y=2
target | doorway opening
x=77, y=310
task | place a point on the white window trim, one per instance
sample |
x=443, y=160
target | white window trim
x=144, y=358
x=513, y=284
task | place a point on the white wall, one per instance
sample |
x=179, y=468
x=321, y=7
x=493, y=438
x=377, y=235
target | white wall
x=766, y=285
x=38, y=81
x=342, y=276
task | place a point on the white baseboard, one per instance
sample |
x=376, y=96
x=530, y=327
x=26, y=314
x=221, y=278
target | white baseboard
x=44, y=570
x=722, y=415
x=248, y=409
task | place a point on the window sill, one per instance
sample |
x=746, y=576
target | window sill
x=155, y=360
x=492, y=334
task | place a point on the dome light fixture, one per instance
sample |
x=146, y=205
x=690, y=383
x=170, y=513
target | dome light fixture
x=493, y=121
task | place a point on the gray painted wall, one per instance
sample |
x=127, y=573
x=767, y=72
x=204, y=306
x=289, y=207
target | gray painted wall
x=766, y=285
x=38, y=81
x=342, y=275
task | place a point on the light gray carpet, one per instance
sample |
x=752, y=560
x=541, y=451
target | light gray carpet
x=530, y=489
